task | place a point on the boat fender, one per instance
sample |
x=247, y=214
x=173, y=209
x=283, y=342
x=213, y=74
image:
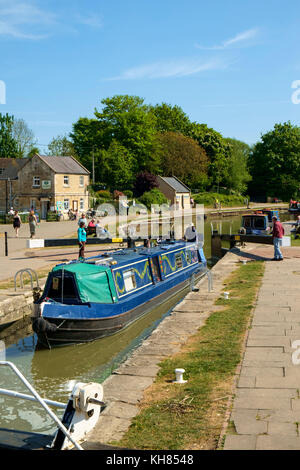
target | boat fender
x=40, y=325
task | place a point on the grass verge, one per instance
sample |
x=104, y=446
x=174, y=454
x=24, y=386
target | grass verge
x=192, y=416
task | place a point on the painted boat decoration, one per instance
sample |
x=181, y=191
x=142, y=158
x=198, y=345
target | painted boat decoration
x=84, y=301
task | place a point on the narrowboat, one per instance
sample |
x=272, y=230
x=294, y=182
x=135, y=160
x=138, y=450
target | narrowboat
x=294, y=207
x=255, y=224
x=86, y=300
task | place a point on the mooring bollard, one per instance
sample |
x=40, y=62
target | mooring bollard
x=6, y=244
x=179, y=376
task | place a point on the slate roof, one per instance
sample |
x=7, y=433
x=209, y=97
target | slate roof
x=176, y=184
x=65, y=165
x=11, y=167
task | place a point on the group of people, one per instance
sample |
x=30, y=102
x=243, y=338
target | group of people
x=17, y=222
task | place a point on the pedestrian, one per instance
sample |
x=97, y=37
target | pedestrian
x=32, y=223
x=277, y=232
x=16, y=223
x=81, y=232
x=83, y=219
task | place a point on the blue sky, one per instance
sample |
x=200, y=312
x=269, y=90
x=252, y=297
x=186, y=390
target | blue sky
x=228, y=63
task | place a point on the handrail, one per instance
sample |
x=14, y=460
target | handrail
x=42, y=402
x=29, y=271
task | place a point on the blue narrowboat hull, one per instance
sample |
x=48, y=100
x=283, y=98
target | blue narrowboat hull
x=64, y=323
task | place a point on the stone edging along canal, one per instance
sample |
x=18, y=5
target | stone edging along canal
x=124, y=389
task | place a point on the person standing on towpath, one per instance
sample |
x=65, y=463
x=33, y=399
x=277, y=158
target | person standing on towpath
x=277, y=232
x=81, y=232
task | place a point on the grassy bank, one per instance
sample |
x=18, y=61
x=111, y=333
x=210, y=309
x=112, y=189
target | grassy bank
x=191, y=416
x=209, y=199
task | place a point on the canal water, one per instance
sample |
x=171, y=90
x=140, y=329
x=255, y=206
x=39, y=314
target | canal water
x=54, y=372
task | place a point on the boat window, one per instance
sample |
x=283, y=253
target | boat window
x=155, y=269
x=56, y=292
x=259, y=222
x=129, y=280
x=247, y=222
x=178, y=260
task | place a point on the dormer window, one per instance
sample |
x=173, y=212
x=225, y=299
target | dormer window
x=66, y=180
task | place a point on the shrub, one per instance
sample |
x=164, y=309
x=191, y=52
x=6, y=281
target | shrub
x=103, y=194
x=154, y=196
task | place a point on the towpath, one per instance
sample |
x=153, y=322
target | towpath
x=266, y=408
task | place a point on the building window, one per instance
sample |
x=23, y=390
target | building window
x=32, y=204
x=81, y=204
x=66, y=204
x=2, y=171
x=36, y=182
x=66, y=180
x=81, y=180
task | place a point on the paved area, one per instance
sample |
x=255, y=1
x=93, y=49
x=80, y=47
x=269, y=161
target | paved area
x=266, y=408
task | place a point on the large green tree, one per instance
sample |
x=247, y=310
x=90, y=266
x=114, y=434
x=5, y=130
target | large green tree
x=117, y=167
x=171, y=119
x=275, y=163
x=8, y=145
x=61, y=146
x=217, y=150
x=238, y=174
x=183, y=157
x=127, y=120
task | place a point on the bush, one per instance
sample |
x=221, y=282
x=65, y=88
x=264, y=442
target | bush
x=209, y=199
x=154, y=196
x=128, y=193
x=103, y=194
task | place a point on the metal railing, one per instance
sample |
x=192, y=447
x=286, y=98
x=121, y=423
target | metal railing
x=22, y=272
x=36, y=397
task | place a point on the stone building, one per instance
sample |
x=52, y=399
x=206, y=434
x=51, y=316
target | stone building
x=9, y=169
x=51, y=183
x=176, y=191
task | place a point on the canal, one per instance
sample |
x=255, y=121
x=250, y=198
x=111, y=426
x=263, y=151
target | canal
x=54, y=372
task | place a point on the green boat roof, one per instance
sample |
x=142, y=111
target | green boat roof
x=94, y=282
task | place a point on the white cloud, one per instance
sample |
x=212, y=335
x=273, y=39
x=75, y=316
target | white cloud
x=25, y=20
x=238, y=40
x=170, y=69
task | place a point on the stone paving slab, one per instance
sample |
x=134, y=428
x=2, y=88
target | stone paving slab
x=266, y=408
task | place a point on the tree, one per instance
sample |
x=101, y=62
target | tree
x=238, y=174
x=171, y=119
x=8, y=145
x=183, y=157
x=117, y=166
x=217, y=150
x=61, y=146
x=275, y=163
x=144, y=182
x=128, y=120
x=24, y=138
x=33, y=151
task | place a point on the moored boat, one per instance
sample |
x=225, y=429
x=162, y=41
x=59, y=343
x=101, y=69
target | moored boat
x=255, y=224
x=87, y=300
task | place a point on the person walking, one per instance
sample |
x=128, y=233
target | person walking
x=32, y=223
x=81, y=233
x=83, y=219
x=16, y=223
x=277, y=232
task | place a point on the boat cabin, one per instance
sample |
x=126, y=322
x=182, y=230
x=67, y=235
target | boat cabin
x=255, y=224
x=109, y=278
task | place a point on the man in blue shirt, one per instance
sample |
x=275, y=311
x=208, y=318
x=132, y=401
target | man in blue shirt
x=81, y=232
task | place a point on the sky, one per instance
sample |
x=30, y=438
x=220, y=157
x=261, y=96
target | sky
x=231, y=64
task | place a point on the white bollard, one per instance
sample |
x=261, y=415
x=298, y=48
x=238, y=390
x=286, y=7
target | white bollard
x=226, y=295
x=179, y=376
